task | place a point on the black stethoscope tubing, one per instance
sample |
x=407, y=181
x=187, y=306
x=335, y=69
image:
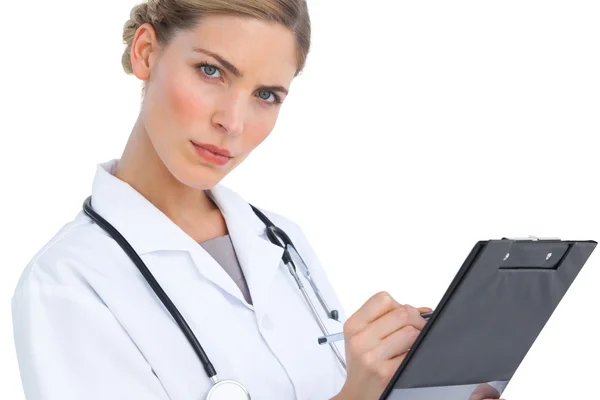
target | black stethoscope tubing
x=275, y=234
x=208, y=367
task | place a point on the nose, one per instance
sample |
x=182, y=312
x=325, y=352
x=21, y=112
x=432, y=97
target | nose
x=230, y=114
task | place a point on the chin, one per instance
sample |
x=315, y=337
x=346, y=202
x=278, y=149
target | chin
x=195, y=176
x=200, y=180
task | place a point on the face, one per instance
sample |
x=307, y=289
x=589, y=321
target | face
x=213, y=93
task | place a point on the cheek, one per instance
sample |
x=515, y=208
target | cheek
x=257, y=131
x=186, y=107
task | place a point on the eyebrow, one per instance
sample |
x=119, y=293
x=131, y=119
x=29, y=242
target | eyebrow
x=234, y=70
x=226, y=64
x=275, y=89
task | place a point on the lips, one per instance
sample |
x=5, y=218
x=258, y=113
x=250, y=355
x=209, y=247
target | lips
x=214, y=149
x=213, y=154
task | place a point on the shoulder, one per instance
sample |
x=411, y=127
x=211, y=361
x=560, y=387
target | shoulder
x=64, y=261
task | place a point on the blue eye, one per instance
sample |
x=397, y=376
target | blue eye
x=210, y=70
x=266, y=95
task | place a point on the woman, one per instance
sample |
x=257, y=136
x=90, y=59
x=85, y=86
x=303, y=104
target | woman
x=88, y=325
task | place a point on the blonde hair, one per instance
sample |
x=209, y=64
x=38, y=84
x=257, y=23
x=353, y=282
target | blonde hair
x=169, y=16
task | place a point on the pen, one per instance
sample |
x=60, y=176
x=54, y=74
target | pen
x=340, y=335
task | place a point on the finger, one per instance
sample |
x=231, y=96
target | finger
x=392, y=365
x=421, y=309
x=397, y=360
x=397, y=343
x=372, y=335
x=484, y=390
x=378, y=305
x=395, y=320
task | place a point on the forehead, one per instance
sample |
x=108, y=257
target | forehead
x=259, y=49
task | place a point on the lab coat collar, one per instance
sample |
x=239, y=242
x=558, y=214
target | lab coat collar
x=137, y=219
x=148, y=229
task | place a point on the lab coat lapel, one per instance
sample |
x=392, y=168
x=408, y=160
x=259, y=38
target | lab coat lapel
x=259, y=259
x=211, y=270
x=148, y=230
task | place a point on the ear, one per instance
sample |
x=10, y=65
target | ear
x=144, y=49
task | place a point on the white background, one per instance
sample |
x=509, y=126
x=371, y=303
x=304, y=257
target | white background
x=416, y=129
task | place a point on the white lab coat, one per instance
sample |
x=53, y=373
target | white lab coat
x=87, y=325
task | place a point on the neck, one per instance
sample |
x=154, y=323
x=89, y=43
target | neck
x=191, y=209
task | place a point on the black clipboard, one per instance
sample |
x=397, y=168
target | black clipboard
x=488, y=319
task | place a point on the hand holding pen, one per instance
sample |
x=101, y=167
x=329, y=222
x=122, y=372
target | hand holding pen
x=377, y=338
x=336, y=337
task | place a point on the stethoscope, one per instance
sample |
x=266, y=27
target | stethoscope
x=224, y=389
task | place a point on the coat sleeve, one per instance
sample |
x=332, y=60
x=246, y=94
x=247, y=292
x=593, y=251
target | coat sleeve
x=71, y=347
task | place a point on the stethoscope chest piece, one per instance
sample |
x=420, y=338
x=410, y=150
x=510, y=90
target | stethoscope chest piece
x=228, y=390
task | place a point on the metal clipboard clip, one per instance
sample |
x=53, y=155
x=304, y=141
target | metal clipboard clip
x=532, y=238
